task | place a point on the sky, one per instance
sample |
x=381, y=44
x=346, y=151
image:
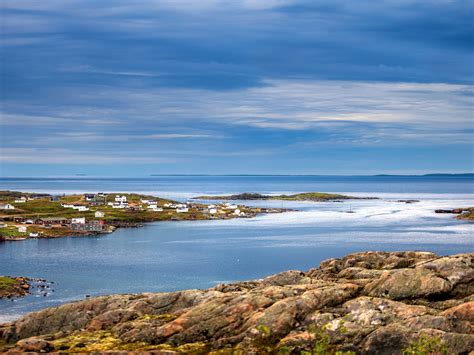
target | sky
x=140, y=87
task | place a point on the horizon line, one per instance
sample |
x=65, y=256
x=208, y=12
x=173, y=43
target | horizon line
x=79, y=176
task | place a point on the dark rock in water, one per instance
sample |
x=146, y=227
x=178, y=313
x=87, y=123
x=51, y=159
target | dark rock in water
x=408, y=201
x=368, y=303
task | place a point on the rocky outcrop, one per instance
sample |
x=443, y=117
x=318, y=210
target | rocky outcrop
x=13, y=286
x=367, y=303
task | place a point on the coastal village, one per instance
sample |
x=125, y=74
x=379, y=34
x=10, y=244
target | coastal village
x=27, y=215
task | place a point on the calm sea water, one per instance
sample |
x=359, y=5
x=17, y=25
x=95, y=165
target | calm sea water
x=177, y=255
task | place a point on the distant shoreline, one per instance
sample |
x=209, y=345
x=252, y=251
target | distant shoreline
x=85, y=176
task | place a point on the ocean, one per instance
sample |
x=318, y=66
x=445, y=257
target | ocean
x=168, y=256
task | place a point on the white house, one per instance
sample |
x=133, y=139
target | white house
x=22, y=229
x=228, y=206
x=119, y=198
x=80, y=208
x=65, y=205
x=6, y=206
x=211, y=206
x=154, y=208
x=145, y=201
x=182, y=209
x=21, y=200
x=237, y=212
x=120, y=205
x=2, y=225
x=34, y=234
x=81, y=220
x=212, y=210
x=99, y=214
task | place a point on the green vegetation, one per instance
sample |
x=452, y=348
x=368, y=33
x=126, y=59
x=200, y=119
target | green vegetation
x=97, y=341
x=306, y=196
x=6, y=282
x=11, y=233
x=322, y=340
x=426, y=345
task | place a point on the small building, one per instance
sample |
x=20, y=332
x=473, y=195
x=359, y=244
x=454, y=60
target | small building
x=182, y=209
x=22, y=229
x=237, y=212
x=212, y=210
x=6, y=206
x=19, y=219
x=120, y=205
x=99, y=214
x=89, y=197
x=49, y=221
x=34, y=234
x=22, y=199
x=119, y=198
x=80, y=220
x=155, y=208
x=55, y=198
x=2, y=225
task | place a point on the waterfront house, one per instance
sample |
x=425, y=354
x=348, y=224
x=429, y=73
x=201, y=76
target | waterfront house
x=80, y=220
x=6, y=206
x=99, y=214
x=182, y=209
x=237, y=212
x=90, y=226
x=34, y=234
x=22, y=229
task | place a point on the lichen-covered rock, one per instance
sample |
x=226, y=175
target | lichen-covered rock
x=408, y=283
x=371, y=303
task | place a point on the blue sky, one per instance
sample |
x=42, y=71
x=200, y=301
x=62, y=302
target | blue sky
x=132, y=88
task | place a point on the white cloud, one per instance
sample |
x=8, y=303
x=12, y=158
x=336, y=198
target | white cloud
x=69, y=156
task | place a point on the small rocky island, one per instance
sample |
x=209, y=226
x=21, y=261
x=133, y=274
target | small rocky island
x=13, y=286
x=364, y=303
x=305, y=196
x=465, y=213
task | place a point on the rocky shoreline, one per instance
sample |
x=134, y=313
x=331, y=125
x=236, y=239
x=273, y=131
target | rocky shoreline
x=363, y=303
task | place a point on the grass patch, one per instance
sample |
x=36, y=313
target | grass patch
x=6, y=282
